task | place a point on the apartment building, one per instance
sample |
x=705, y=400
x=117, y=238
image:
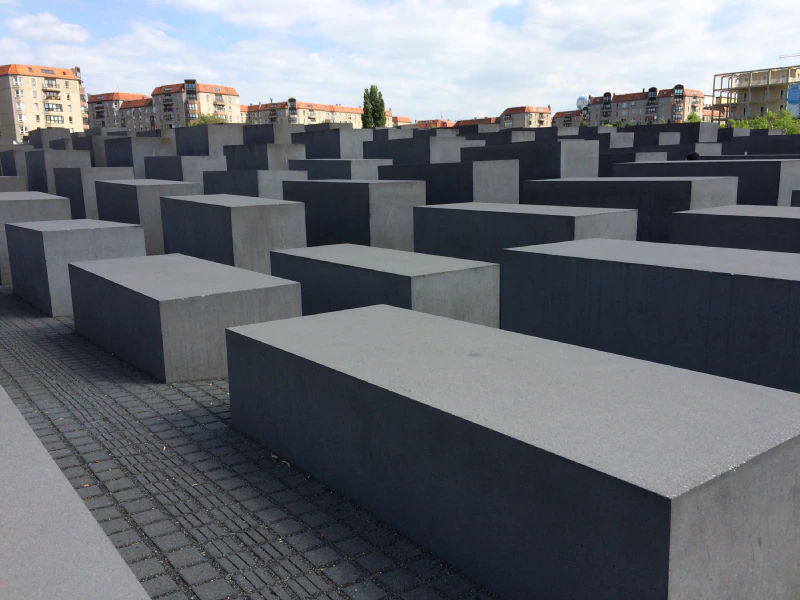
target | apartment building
x=435, y=124
x=105, y=110
x=526, y=116
x=138, y=115
x=748, y=94
x=179, y=104
x=305, y=113
x=672, y=105
x=477, y=121
x=33, y=96
x=568, y=118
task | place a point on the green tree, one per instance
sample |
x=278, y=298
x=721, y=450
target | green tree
x=783, y=120
x=374, y=114
x=693, y=118
x=584, y=124
x=618, y=124
x=207, y=120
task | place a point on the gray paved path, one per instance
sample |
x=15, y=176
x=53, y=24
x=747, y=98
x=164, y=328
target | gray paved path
x=195, y=508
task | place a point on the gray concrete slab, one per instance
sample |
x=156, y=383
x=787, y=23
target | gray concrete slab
x=690, y=132
x=333, y=143
x=207, y=140
x=13, y=183
x=260, y=184
x=270, y=133
x=656, y=198
x=347, y=276
x=608, y=160
x=769, y=228
x=40, y=164
x=449, y=183
x=340, y=168
x=369, y=213
x=18, y=207
x=13, y=161
x=51, y=546
x=480, y=231
x=617, y=478
x=272, y=157
x=138, y=201
x=41, y=137
x=182, y=168
x=761, y=182
x=130, y=152
x=234, y=230
x=39, y=251
x=421, y=150
x=167, y=314
x=78, y=184
x=95, y=145
x=723, y=311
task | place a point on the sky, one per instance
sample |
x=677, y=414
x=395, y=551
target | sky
x=456, y=59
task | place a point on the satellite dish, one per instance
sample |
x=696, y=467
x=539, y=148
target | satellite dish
x=582, y=101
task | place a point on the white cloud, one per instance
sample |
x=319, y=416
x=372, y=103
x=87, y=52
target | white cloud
x=46, y=26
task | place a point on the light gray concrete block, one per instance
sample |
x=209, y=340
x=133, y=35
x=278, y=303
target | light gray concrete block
x=39, y=251
x=167, y=314
x=480, y=231
x=342, y=142
x=182, y=168
x=51, y=545
x=13, y=161
x=722, y=311
x=340, y=168
x=13, y=183
x=40, y=165
x=259, y=184
x=656, y=198
x=617, y=478
x=19, y=207
x=769, y=228
x=349, y=276
x=369, y=213
x=41, y=137
x=234, y=230
x=138, y=201
x=78, y=184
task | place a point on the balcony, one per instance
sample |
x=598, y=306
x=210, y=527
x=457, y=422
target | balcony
x=50, y=85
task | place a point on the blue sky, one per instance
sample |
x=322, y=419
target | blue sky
x=431, y=58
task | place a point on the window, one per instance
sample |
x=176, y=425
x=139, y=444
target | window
x=16, y=80
x=35, y=106
x=191, y=106
x=38, y=119
x=49, y=71
x=19, y=93
x=192, y=116
x=20, y=106
x=23, y=130
x=70, y=119
x=783, y=94
x=52, y=107
x=22, y=118
x=66, y=84
x=69, y=107
x=68, y=96
x=54, y=119
x=34, y=93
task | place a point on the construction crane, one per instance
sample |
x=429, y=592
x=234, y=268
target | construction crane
x=789, y=55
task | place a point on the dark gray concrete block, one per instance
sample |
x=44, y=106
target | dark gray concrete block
x=13, y=161
x=50, y=542
x=260, y=184
x=510, y=136
x=19, y=207
x=39, y=252
x=691, y=133
x=349, y=276
x=616, y=478
x=138, y=201
x=40, y=138
x=773, y=143
x=78, y=184
x=167, y=314
x=13, y=183
x=544, y=160
x=95, y=145
x=770, y=228
x=480, y=231
x=479, y=128
x=130, y=152
x=273, y=157
x=655, y=198
x=207, y=140
x=726, y=134
x=448, y=183
x=182, y=168
x=795, y=201
x=609, y=160
x=234, y=230
x=40, y=165
x=270, y=133
x=369, y=213
x=761, y=182
x=340, y=168
x=421, y=150
x=722, y=311
x=333, y=143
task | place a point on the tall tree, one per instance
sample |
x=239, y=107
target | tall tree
x=366, y=116
x=374, y=108
x=693, y=118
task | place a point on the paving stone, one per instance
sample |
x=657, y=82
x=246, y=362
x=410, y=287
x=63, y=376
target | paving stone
x=159, y=586
x=184, y=557
x=215, y=590
x=147, y=568
x=343, y=573
x=199, y=574
x=365, y=591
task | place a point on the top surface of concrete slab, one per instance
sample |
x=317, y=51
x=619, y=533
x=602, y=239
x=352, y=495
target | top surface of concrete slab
x=232, y=200
x=399, y=262
x=704, y=161
x=71, y=225
x=27, y=196
x=528, y=209
x=753, y=263
x=175, y=276
x=363, y=181
x=661, y=428
x=634, y=179
x=145, y=182
x=749, y=210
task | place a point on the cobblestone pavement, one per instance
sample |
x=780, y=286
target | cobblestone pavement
x=195, y=508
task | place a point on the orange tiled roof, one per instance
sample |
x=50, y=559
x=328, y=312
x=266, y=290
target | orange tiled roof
x=435, y=123
x=483, y=121
x=401, y=120
x=514, y=110
x=202, y=88
x=115, y=96
x=35, y=70
x=333, y=108
x=567, y=113
x=686, y=92
x=629, y=97
x=137, y=103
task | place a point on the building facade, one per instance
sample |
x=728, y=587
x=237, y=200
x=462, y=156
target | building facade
x=138, y=115
x=480, y=121
x=435, y=124
x=305, y=113
x=568, y=118
x=672, y=105
x=748, y=94
x=33, y=97
x=179, y=104
x=526, y=116
x=105, y=110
